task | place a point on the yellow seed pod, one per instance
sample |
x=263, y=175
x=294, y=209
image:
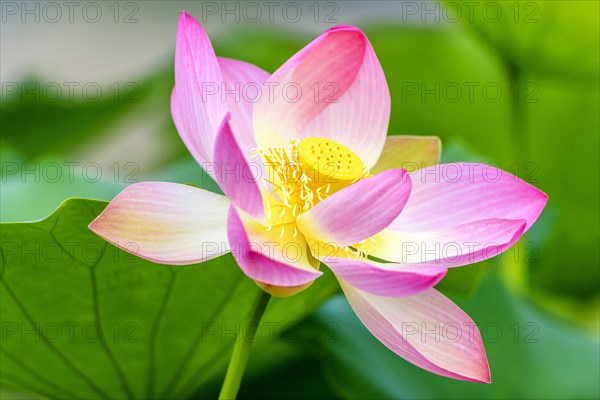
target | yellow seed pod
x=329, y=163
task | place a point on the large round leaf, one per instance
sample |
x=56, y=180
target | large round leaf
x=83, y=319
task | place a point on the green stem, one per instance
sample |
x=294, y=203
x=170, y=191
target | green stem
x=241, y=350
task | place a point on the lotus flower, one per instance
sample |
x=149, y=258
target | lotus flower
x=310, y=176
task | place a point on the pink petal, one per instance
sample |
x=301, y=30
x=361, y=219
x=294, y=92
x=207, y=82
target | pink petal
x=359, y=211
x=234, y=175
x=267, y=256
x=167, y=223
x=448, y=247
x=446, y=195
x=195, y=104
x=387, y=280
x=334, y=88
x=408, y=152
x=426, y=329
x=243, y=82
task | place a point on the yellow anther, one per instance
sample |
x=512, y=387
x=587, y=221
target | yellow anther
x=298, y=179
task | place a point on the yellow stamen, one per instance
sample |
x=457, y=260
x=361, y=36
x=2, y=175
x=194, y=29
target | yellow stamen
x=304, y=173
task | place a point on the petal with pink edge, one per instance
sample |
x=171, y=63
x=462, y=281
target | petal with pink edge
x=167, y=223
x=243, y=82
x=274, y=257
x=385, y=279
x=447, y=195
x=426, y=329
x=234, y=175
x=195, y=103
x=448, y=247
x=359, y=211
x=408, y=152
x=334, y=88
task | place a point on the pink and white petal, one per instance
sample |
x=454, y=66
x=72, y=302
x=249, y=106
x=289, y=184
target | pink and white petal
x=178, y=122
x=409, y=152
x=446, y=195
x=243, y=82
x=234, y=175
x=195, y=103
x=359, y=211
x=334, y=88
x=387, y=280
x=426, y=329
x=167, y=223
x=448, y=247
x=274, y=257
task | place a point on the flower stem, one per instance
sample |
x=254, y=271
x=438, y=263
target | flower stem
x=241, y=349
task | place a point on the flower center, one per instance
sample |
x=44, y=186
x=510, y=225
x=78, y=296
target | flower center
x=330, y=163
x=305, y=172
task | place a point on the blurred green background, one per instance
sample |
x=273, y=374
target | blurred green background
x=85, y=112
